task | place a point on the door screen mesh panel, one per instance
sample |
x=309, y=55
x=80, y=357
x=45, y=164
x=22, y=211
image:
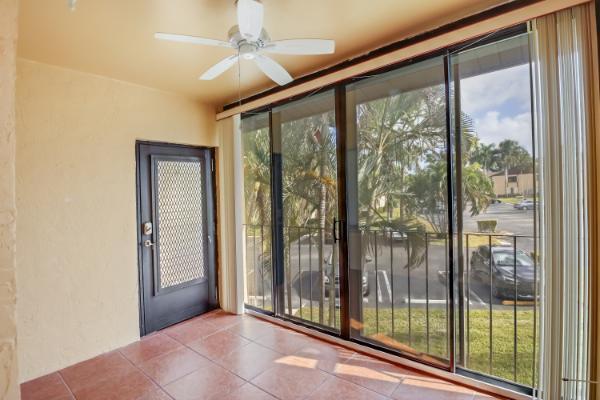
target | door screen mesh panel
x=181, y=227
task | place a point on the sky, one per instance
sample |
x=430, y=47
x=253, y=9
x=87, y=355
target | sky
x=500, y=104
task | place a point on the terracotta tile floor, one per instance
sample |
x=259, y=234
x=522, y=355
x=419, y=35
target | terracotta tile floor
x=224, y=356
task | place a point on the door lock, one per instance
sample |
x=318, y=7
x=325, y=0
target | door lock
x=148, y=243
x=147, y=228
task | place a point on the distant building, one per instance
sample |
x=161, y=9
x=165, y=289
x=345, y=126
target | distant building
x=515, y=183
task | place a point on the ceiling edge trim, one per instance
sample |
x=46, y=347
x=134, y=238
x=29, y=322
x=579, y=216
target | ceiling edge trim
x=471, y=27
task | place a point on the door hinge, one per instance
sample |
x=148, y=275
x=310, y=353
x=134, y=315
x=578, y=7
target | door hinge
x=212, y=165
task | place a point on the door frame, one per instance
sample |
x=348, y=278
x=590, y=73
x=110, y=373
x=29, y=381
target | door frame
x=215, y=206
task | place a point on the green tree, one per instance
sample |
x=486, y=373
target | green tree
x=487, y=156
x=257, y=177
x=513, y=158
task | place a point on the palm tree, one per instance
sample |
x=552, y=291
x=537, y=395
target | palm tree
x=257, y=177
x=512, y=156
x=487, y=156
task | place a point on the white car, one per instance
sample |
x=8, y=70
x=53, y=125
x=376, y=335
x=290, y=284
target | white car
x=525, y=205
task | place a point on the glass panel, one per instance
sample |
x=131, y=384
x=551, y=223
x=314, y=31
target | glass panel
x=256, y=150
x=181, y=228
x=398, y=219
x=306, y=131
x=499, y=272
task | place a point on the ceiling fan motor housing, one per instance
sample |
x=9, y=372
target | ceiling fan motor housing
x=237, y=40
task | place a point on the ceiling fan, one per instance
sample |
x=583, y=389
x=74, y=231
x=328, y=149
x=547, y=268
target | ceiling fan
x=251, y=41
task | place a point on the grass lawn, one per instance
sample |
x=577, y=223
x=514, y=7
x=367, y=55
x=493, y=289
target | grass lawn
x=477, y=341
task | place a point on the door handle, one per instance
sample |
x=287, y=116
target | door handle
x=335, y=225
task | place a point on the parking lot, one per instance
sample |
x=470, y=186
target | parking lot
x=392, y=279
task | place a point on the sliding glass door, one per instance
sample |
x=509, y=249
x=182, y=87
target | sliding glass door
x=498, y=271
x=305, y=133
x=397, y=151
x=398, y=210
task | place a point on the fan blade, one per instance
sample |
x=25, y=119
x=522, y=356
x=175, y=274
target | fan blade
x=192, y=39
x=273, y=70
x=250, y=14
x=301, y=46
x=219, y=68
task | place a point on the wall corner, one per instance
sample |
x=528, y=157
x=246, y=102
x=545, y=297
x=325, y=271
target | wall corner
x=9, y=379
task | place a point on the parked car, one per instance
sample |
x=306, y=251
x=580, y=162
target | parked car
x=525, y=205
x=327, y=281
x=503, y=271
x=397, y=236
x=262, y=277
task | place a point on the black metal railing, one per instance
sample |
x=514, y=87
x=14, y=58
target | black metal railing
x=259, y=272
x=511, y=287
x=410, y=278
x=404, y=286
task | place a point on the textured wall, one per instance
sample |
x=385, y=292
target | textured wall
x=8, y=334
x=76, y=196
x=227, y=240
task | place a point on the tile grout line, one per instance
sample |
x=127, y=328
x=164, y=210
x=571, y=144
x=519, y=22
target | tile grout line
x=321, y=384
x=146, y=375
x=206, y=358
x=263, y=390
x=66, y=384
x=329, y=375
x=183, y=345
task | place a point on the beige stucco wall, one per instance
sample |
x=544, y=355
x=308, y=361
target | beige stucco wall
x=524, y=185
x=9, y=388
x=76, y=197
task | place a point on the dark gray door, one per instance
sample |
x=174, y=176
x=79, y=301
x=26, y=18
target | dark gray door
x=176, y=234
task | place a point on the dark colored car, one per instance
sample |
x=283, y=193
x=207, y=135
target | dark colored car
x=262, y=278
x=503, y=277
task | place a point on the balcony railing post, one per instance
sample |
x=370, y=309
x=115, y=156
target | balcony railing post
x=491, y=261
x=254, y=271
x=535, y=305
x=392, y=279
x=515, y=309
x=299, y=234
x=427, y=288
x=408, y=267
x=262, y=264
x=376, y=282
x=288, y=271
x=468, y=316
x=310, y=274
x=449, y=313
